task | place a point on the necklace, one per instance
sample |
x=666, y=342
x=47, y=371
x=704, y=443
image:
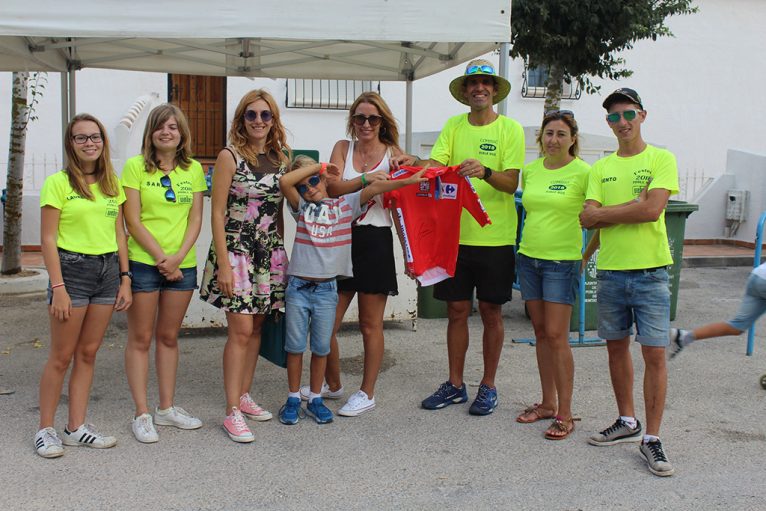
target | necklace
x=365, y=157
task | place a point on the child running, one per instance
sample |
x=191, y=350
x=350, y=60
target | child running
x=321, y=253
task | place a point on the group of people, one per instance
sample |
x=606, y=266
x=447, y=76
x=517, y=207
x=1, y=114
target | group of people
x=344, y=248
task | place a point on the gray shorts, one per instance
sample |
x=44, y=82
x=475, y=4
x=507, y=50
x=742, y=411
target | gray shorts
x=89, y=278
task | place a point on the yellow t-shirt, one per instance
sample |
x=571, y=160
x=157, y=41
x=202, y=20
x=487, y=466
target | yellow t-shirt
x=85, y=226
x=617, y=180
x=166, y=221
x=553, y=200
x=499, y=146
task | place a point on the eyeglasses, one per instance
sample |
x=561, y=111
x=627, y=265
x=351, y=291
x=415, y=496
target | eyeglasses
x=360, y=119
x=252, y=115
x=480, y=69
x=81, y=139
x=562, y=113
x=170, y=195
x=312, y=182
x=628, y=115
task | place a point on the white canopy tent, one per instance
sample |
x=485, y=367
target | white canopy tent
x=400, y=40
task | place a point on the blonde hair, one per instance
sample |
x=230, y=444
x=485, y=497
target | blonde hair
x=389, y=132
x=104, y=172
x=276, y=140
x=301, y=161
x=157, y=117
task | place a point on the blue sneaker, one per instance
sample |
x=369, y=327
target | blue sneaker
x=319, y=411
x=290, y=413
x=485, y=402
x=446, y=394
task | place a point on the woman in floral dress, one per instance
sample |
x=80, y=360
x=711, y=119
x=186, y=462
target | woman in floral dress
x=246, y=222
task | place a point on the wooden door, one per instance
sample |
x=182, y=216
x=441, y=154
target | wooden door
x=203, y=100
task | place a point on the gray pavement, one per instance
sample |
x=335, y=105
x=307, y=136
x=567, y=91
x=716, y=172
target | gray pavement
x=399, y=456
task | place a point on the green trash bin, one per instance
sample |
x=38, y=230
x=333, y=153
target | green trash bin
x=428, y=306
x=676, y=214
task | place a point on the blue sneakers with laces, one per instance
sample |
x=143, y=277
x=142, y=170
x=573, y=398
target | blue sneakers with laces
x=445, y=395
x=485, y=402
x=291, y=411
x=317, y=409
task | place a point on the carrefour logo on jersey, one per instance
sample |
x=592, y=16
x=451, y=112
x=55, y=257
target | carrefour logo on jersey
x=448, y=191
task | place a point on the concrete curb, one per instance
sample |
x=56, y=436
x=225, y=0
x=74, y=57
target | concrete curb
x=23, y=285
x=716, y=261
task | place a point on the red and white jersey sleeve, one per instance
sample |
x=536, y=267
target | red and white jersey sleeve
x=429, y=216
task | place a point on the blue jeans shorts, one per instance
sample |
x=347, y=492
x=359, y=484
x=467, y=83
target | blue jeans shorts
x=753, y=304
x=310, y=308
x=634, y=296
x=89, y=278
x=147, y=279
x=550, y=281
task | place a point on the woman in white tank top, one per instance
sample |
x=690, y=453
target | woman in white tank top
x=364, y=159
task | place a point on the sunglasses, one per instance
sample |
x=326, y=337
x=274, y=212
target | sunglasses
x=96, y=138
x=485, y=69
x=360, y=119
x=312, y=182
x=170, y=195
x=252, y=115
x=559, y=113
x=628, y=115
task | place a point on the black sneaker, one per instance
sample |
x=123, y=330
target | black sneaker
x=617, y=433
x=446, y=394
x=655, y=458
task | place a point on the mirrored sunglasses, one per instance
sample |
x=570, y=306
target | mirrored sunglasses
x=252, y=115
x=559, y=113
x=170, y=195
x=360, y=119
x=628, y=115
x=484, y=69
x=312, y=182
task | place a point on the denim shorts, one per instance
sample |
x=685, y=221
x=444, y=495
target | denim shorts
x=89, y=278
x=147, y=279
x=310, y=308
x=753, y=304
x=634, y=296
x=550, y=281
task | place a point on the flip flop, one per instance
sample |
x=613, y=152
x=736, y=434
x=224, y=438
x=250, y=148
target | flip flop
x=537, y=412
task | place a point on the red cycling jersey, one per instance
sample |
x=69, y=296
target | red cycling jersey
x=429, y=216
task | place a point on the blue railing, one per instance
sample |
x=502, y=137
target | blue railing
x=756, y=263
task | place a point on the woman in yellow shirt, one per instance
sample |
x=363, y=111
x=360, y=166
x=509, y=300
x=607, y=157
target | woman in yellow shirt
x=85, y=253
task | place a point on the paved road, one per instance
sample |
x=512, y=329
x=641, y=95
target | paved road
x=399, y=456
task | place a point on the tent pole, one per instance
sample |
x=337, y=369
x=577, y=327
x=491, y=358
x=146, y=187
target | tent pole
x=64, y=108
x=504, y=71
x=72, y=94
x=408, y=118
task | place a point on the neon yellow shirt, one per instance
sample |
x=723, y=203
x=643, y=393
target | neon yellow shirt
x=617, y=180
x=499, y=146
x=553, y=200
x=166, y=221
x=85, y=226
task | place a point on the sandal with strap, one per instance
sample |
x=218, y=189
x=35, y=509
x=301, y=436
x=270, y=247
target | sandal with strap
x=535, y=413
x=560, y=428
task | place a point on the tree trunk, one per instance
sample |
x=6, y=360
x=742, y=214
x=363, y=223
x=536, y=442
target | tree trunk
x=15, y=180
x=554, y=86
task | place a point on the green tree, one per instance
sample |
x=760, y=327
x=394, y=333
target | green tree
x=578, y=39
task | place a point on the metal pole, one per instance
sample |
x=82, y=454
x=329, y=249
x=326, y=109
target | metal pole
x=505, y=48
x=64, y=109
x=408, y=118
x=756, y=263
x=72, y=94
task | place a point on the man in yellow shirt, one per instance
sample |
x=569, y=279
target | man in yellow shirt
x=489, y=148
x=632, y=270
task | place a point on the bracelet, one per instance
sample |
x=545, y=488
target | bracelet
x=54, y=286
x=487, y=173
x=323, y=169
x=364, y=180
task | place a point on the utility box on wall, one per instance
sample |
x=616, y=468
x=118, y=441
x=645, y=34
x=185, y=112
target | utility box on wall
x=737, y=205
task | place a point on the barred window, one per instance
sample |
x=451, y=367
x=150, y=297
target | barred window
x=326, y=94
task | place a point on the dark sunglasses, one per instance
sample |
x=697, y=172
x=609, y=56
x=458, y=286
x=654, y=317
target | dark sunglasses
x=81, y=139
x=312, y=182
x=559, y=113
x=170, y=195
x=360, y=119
x=252, y=115
x=628, y=115
x=485, y=69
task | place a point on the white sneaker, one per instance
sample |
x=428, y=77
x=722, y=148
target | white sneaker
x=48, y=443
x=176, y=416
x=87, y=436
x=326, y=393
x=357, y=404
x=143, y=429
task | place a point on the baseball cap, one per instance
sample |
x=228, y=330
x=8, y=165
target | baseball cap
x=622, y=94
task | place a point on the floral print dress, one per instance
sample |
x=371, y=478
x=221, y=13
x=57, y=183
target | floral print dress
x=255, y=248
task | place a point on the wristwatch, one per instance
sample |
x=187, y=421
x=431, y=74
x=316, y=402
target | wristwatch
x=128, y=274
x=487, y=173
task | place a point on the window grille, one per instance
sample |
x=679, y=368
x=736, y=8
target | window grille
x=535, y=86
x=326, y=94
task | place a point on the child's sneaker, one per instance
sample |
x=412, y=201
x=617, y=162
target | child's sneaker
x=617, y=433
x=320, y=413
x=144, y=430
x=357, y=404
x=446, y=394
x=655, y=458
x=251, y=410
x=176, y=416
x=48, y=443
x=87, y=436
x=485, y=402
x=290, y=413
x=236, y=427
x=676, y=341
x=326, y=393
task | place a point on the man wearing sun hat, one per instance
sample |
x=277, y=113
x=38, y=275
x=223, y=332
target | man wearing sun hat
x=626, y=198
x=489, y=148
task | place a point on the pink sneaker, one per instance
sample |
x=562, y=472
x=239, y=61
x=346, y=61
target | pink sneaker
x=251, y=410
x=236, y=427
